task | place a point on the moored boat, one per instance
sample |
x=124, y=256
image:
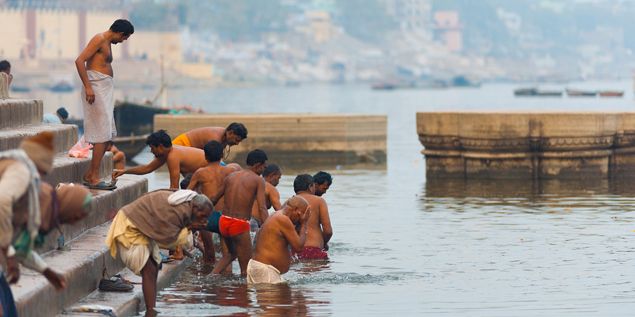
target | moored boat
x=581, y=93
x=611, y=93
x=535, y=92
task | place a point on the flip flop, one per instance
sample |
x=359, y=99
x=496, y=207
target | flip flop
x=102, y=185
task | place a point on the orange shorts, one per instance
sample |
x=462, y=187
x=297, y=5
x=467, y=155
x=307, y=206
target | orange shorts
x=182, y=140
x=229, y=226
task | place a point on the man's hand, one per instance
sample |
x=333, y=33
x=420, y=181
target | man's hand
x=13, y=270
x=326, y=247
x=57, y=280
x=200, y=224
x=90, y=95
x=117, y=173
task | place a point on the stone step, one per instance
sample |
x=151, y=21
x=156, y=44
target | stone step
x=65, y=135
x=126, y=304
x=105, y=204
x=19, y=112
x=68, y=169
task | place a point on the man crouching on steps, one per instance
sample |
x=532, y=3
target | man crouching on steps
x=158, y=218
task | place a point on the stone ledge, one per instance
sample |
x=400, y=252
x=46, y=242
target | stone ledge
x=19, y=112
x=82, y=266
x=65, y=136
x=105, y=204
x=127, y=304
x=68, y=169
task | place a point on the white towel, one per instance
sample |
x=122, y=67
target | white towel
x=99, y=121
x=181, y=196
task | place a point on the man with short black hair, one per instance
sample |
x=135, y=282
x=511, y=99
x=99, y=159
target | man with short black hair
x=59, y=117
x=272, y=175
x=319, y=223
x=227, y=137
x=242, y=189
x=323, y=181
x=94, y=66
x=180, y=159
x=5, y=78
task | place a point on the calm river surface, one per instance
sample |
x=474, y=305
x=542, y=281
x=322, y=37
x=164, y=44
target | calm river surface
x=404, y=247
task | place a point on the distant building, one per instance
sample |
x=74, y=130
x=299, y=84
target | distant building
x=414, y=16
x=448, y=30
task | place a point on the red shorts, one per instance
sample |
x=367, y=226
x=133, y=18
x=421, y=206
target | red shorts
x=312, y=253
x=229, y=226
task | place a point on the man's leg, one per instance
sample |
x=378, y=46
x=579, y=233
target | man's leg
x=149, y=275
x=226, y=259
x=209, y=257
x=242, y=248
x=92, y=175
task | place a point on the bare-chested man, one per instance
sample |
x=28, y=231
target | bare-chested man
x=95, y=70
x=241, y=190
x=180, y=159
x=228, y=137
x=271, y=256
x=319, y=225
x=209, y=181
x=272, y=176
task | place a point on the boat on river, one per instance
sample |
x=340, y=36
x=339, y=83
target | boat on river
x=611, y=93
x=535, y=92
x=581, y=93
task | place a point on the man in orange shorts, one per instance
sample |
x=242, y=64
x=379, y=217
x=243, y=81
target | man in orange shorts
x=226, y=226
x=228, y=137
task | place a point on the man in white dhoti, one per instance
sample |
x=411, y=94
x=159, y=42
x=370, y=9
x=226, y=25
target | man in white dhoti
x=94, y=65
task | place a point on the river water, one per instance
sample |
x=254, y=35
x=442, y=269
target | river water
x=404, y=247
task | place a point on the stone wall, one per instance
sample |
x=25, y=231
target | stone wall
x=295, y=140
x=527, y=145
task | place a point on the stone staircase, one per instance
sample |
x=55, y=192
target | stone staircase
x=85, y=256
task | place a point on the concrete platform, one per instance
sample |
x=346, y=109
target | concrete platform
x=540, y=145
x=126, y=304
x=65, y=135
x=105, y=204
x=293, y=140
x=68, y=169
x=19, y=112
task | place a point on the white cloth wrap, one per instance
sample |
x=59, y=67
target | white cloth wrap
x=258, y=272
x=99, y=121
x=136, y=257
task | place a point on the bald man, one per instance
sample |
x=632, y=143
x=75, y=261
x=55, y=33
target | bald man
x=271, y=256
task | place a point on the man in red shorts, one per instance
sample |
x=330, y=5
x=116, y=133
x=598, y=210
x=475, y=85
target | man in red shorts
x=319, y=224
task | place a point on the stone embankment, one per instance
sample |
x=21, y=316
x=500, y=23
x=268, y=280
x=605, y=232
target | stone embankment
x=527, y=145
x=85, y=256
x=297, y=140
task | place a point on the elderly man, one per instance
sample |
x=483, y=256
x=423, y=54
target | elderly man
x=278, y=233
x=158, y=218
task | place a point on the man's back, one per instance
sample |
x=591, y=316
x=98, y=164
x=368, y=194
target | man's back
x=200, y=136
x=318, y=220
x=209, y=180
x=240, y=193
x=189, y=159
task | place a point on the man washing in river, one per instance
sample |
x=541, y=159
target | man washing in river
x=319, y=224
x=95, y=70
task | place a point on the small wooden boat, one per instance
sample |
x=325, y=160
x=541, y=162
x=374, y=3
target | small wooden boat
x=611, y=93
x=535, y=92
x=62, y=86
x=581, y=93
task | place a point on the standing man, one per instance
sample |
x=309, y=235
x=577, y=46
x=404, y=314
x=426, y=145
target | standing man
x=271, y=256
x=5, y=78
x=272, y=176
x=319, y=224
x=241, y=190
x=94, y=65
x=323, y=181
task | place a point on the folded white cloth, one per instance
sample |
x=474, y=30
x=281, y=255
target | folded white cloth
x=181, y=196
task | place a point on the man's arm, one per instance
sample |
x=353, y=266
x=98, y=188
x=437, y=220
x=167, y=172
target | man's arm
x=174, y=168
x=193, y=181
x=141, y=169
x=295, y=241
x=260, y=198
x=80, y=63
x=274, y=198
x=325, y=221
